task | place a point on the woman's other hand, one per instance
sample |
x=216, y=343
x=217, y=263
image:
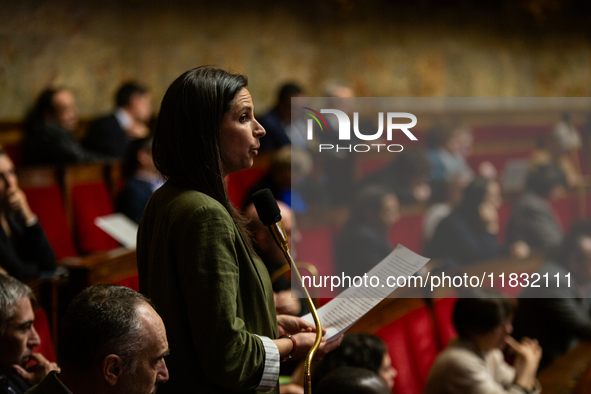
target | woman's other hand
x=293, y=325
x=305, y=341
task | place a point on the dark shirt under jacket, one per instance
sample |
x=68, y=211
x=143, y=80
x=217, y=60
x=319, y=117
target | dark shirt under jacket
x=457, y=243
x=11, y=383
x=133, y=198
x=106, y=137
x=534, y=222
x=27, y=252
x=47, y=143
x=358, y=249
x=554, y=315
x=275, y=136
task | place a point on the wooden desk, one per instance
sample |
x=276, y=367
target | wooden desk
x=101, y=268
x=569, y=373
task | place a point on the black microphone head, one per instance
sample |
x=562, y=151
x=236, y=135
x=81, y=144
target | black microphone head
x=266, y=207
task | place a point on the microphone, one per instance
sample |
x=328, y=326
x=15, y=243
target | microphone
x=270, y=214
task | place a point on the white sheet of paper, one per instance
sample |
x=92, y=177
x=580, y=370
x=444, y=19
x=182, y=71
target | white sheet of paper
x=515, y=175
x=338, y=315
x=120, y=227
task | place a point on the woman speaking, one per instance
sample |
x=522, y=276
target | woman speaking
x=195, y=258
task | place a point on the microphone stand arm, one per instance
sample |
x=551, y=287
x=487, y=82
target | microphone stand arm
x=281, y=239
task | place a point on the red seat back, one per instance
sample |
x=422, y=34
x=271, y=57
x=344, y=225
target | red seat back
x=240, y=183
x=48, y=205
x=407, y=380
x=413, y=347
x=90, y=201
x=423, y=340
x=408, y=232
x=443, y=310
x=42, y=328
x=132, y=282
x=316, y=247
x=504, y=215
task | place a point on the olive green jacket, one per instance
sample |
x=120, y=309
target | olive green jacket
x=211, y=293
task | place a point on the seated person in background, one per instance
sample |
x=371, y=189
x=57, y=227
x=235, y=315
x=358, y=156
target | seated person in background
x=469, y=233
x=532, y=219
x=364, y=240
x=142, y=179
x=558, y=313
x=24, y=249
x=351, y=380
x=358, y=350
x=273, y=257
x=111, y=341
x=290, y=166
x=561, y=149
x=18, y=338
x=407, y=177
x=447, y=194
x=474, y=363
x=111, y=134
x=277, y=122
x=448, y=147
x=49, y=130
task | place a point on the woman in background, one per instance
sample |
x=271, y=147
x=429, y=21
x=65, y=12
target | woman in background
x=469, y=233
x=474, y=363
x=364, y=240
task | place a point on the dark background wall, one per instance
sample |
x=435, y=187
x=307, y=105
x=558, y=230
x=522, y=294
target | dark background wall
x=381, y=48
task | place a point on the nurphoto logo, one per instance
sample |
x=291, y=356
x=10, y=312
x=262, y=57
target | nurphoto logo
x=344, y=129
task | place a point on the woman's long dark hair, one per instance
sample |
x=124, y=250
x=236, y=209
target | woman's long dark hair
x=41, y=110
x=473, y=197
x=186, y=146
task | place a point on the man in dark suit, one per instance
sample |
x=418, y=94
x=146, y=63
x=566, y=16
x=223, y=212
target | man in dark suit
x=111, y=134
x=18, y=338
x=533, y=220
x=558, y=311
x=111, y=341
x=277, y=122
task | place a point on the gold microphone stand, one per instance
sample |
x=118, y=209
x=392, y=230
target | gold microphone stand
x=281, y=239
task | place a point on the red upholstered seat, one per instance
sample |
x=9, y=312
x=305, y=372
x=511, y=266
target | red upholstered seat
x=240, y=183
x=316, y=247
x=443, y=310
x=394, y=335
x=90, y=201
x=408, y=231
x=423, y=340
x=42, y=327
x=15, y=152
x=510, y=132
x=413, y=347
x=132, y=282
x=48, y=205
x=504, y=215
